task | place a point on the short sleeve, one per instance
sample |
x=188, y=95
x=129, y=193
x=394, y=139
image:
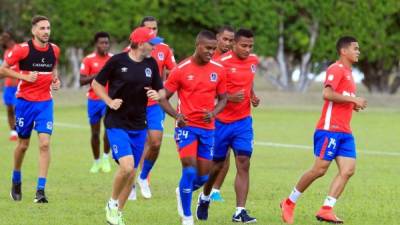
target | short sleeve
x=221, y=87
x=106, y=72
x=333, y=77
x=170, y=62
x=85, y=67
x=156, y=82
x=16, y=54
x=173, y=82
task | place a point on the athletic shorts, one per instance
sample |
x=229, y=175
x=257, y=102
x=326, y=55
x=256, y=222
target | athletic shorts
x=96, y=109
x=127, y=142
x=9, y=98
x=31, y=115
x=195, y=142
x=328, y=145
x=155, y=116
x=237, y=135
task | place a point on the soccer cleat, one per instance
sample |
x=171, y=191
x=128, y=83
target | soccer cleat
x=202, y=208
x=16, y=193
x=132, y=195
x=243, y=217
x=120, y=219
x=112, y=215
x=105, y=165
x=216, y=196
x=40, y=197
x=326, y=214
x=95, y=167
x=187, y=220
x=287, y=208
x=179, y=202
x=144, y=188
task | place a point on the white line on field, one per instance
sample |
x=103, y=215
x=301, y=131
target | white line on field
x=259, y=143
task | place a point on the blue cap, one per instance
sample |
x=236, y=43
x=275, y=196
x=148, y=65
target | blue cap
x=157, y=40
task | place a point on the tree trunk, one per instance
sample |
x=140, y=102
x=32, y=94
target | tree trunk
x=75, y=56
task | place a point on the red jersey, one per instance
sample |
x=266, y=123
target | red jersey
x=40, y=90
x=239, y=76
x=91, y=66
x=197, y=87
x=9, y=81
x=164, y=57
x=337, y=116
x=216, y=55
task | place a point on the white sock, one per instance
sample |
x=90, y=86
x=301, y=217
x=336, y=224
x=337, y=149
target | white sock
x=294, y=195
x=238, y=210
x=214, y=190
x=112, y=203
x=13, y=133
x=330, y=201
x=105, y=156
x=97, y=161
x=205, y=197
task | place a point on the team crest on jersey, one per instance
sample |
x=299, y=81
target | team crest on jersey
x=160, y=56
x=253, y=68
x=233, y=70
x=147, y=71
x=124, y=69
x=190, y=77
x=213, y=77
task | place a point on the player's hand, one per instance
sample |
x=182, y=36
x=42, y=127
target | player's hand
x=32, y=76
x=152, y=94
x=255, y=101
x=115, y=104
x=236, y=97
x=180, y=120
x=208, y=116
x=359, y=104
x=55, y=84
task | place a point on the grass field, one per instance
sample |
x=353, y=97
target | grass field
x=78, y=198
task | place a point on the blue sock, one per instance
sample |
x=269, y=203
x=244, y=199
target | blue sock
x=41, y=184
x=200, y=181
x=16, y=176
x=147, y=166
x=185, y=188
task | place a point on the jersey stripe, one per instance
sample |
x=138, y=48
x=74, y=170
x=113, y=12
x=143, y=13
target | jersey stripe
x=328, y=115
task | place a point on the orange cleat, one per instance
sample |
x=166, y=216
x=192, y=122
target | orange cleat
x=287, y=208
x=326, y=214
x=13, y=138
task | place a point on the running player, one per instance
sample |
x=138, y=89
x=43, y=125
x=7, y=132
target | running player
x=198, y=81
x=96, y=108
x=225, y=38
x=10, y=85
x=34, y=105
x=132, y=77
x=233, y=126
x=333, y=139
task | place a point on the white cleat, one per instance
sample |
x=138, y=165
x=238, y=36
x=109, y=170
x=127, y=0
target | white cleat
x=132, y=195
x=179, y=203
x=144, y=188
x=187, y=220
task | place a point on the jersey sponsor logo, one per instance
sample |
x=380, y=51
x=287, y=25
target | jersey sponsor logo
x=233, y=70
x=147, y=71
x=43, y=60
x=213, y=77
x=330, y=77
x=124, y=69
x=160, y=56
x=253, y=68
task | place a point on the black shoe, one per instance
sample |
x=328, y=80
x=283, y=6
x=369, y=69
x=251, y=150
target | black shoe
x=16, y=193
x=243, y=217
x=202, y=209
x=40, y=197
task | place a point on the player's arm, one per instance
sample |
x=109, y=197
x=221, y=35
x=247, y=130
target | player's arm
x=101, y=91
x=222, y=99
x=330, y=95
x=255, y=101
x=6, y=72
x=84, y=79
x=56, y=83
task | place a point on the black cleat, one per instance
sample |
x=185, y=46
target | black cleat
x=243, y=217
x=40, y=197
x=16, y=193
x=202, y=209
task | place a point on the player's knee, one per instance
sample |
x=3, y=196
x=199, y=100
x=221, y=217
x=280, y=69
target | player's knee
x=243, y=163
x=319, y=172
x=44, y=145
x=127, y=170
x=155, y=144
x=95, y=135
x=347, y=173
x=23, y=146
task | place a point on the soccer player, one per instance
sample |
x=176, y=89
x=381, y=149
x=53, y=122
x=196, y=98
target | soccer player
x=225, y=38
x=233, y=126
x=154, y=115
x=96, y=108
x=198, y=80
x=132, y=77
x=34, y=105
x=10, y=85
x=333, y=139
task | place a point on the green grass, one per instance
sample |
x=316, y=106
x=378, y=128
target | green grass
x=78, y=198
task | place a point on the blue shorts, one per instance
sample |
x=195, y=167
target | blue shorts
x=195, y=142
x=237, y=135
x=9, y=98
x=155, y=116
x=33, y=115
x=127, y=142
x=96, y=109
x=328, y=145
